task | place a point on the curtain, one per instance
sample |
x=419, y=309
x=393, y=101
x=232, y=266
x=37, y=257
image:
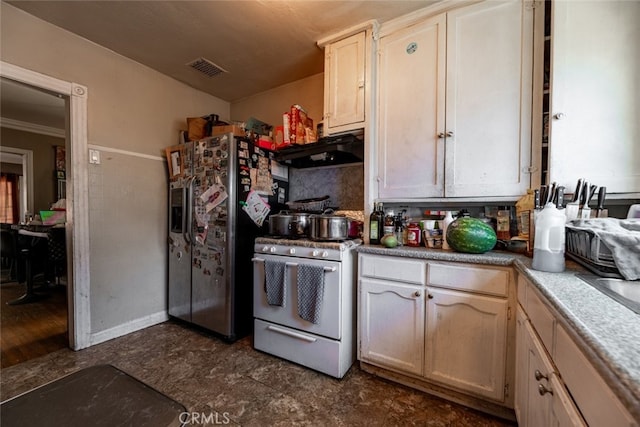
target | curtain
x=9, y=203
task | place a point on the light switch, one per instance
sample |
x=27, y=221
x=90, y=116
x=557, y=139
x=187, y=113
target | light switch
x=94, y=157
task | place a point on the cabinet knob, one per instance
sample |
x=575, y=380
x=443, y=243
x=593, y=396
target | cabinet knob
x=559, y=116
x=543, y=390
x=417, y=294
x=449, y=134
x=441, y=135
x=538, y=375
x=429, y=296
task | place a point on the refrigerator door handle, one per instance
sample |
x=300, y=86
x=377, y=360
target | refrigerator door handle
x=188, y=237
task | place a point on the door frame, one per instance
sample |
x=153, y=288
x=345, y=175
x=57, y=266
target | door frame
x=26, y=191
x=77, y=222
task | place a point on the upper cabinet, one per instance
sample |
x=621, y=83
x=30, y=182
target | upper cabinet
x=455, y=104
x=344, y=81
x=595, y=95
x=347, y=75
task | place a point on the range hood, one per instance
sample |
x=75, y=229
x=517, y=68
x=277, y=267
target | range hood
x=328, y=151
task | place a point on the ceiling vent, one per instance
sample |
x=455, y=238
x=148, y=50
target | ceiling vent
x=206, y=67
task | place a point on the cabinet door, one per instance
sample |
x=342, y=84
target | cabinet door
x=411, y=79
x=392, y=325
x=467, y=341
x=489, y=99
x=522, y=368
x=538, y=366
x=595, y=96
x=345, y=83
x=563, y=410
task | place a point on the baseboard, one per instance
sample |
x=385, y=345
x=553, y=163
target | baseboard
x=464, y=399
x=129, y=327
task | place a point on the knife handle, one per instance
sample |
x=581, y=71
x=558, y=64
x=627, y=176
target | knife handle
x=584, y=200
x=536, y=199
x=576, y=194
x=602, y=193
x=592, y=191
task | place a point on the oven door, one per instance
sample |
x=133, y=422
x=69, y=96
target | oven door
x=331, y=308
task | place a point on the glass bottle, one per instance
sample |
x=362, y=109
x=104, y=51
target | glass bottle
x=376, y=222
x=503, y=223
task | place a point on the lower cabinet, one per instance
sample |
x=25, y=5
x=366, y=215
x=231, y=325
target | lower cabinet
x=392, y=325
x=445, y=324
x=467, y=341
x=556, y=385
x=541, y=399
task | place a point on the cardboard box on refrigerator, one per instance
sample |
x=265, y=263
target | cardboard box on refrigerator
x=265, y=142
x=237, y=130
x=297, y=123
x=279, y=140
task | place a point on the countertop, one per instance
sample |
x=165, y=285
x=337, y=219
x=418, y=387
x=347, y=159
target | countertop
x=610, y=332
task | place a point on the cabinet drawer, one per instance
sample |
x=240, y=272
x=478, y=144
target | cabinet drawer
x=541, y=318
x=313, y=351
x=393, y=268
x=469, y=278
x=594, y=398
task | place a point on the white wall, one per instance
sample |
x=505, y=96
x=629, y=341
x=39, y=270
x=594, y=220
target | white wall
x=133, y=113
x=268, y=106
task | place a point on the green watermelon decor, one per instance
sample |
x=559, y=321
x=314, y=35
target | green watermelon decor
x=471, y=235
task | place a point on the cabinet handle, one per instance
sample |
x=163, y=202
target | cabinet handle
x=449, y=134
x=429, y=296
x=538, y=376
x=441, y=135
x=543, y=390
x=417, y=294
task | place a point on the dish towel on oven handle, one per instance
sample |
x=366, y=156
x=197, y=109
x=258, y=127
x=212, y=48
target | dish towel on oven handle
x=275, y=282
x=310, y=292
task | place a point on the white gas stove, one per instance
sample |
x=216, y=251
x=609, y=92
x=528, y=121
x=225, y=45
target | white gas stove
x=304, y=273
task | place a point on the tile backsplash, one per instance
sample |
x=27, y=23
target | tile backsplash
x=343, y=184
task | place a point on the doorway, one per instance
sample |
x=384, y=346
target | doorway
x=77, y=210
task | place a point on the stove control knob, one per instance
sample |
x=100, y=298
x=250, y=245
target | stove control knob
x=315, y=253
x=292, y=251
x=273, y=249
x=325, y=254
x=265, y=249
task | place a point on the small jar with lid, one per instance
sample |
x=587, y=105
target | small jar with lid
x=413, y=234
x=389, y=223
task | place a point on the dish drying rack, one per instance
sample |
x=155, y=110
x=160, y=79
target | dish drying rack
x=586, y=248
x=309, y=205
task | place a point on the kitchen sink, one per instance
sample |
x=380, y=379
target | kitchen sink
x=626, y=292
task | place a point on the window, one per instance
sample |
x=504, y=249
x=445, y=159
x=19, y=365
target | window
x=9, y=203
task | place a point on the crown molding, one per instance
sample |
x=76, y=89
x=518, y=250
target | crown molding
x=31, y=127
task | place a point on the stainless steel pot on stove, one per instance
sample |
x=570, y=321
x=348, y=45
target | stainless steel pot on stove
x=280, y=224
x=328, y=226
x=300, y=224
x=288, y=224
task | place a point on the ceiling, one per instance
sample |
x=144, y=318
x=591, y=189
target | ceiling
x=261, y=44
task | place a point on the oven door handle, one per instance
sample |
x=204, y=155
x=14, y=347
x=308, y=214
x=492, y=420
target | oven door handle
x=291, y=334
x=257, y=259
x=326, y=269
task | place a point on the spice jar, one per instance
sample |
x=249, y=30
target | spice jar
x=389, y=223
x=413, y=234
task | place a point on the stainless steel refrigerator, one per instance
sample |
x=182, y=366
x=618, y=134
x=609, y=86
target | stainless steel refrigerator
x=214, y=184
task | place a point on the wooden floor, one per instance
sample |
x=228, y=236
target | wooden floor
x=31, y=330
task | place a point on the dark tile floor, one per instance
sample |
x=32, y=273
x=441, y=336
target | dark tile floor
x=237, y=383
